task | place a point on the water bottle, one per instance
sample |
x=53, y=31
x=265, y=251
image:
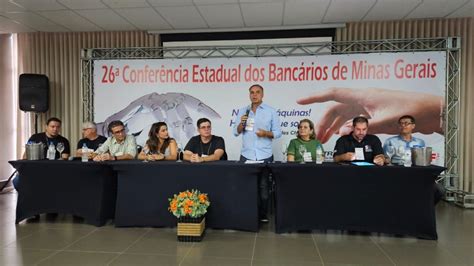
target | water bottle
x=319, y=155
x=407, y=158
x=51, y=154
x=85, y=153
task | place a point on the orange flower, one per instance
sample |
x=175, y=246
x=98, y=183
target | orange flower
x=188, y=202
x=173, y=205
x=187, y=210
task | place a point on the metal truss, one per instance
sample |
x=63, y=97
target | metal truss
x=87, y=87
x=451, y=45
x=404, y=45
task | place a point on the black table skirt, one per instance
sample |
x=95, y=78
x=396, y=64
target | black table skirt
x=144, y=189
x=87, y=189
x=393, y=199
x=389, y=199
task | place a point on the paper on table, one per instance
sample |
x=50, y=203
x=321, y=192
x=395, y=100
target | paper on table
x=359, y=154
x=253, y=162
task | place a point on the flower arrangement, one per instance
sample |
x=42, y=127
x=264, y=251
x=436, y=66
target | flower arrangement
x=189, y=203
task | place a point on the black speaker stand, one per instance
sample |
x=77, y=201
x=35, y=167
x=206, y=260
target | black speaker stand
x=36, y=123
x=8, y=181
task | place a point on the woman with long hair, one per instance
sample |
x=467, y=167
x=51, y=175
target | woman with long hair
x=305, y=144
x=159, y=145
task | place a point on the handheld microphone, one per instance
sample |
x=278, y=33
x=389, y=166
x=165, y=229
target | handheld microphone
x=246, y=114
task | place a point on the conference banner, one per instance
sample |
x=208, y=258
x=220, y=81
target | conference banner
x=329, y=90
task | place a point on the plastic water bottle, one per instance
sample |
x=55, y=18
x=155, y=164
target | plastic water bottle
x=407, y=158
x=51, y=154
x=319, y=155
x=85, y=153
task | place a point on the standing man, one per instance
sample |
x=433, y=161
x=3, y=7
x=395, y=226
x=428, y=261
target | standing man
x=406, y=125
x=119, y=146
x=204, y=147
x=91, y=139
x=358, y=145
x=259, y=125
x=405, y=139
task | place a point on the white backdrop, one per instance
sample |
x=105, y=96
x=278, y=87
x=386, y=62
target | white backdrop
x=180, y=91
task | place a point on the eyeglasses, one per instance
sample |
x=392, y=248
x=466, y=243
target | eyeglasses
x=405, y=123
x=205, y=127
x=84, y=129
x=118, y=131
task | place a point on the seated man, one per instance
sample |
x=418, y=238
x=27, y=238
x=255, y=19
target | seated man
x=405, y=139
x=358, y=145
x=204, y=147
x=50, y=135
x=91, y=139
x=119, y=146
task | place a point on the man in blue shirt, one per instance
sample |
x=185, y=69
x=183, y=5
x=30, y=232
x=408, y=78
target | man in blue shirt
x=259, y=125
x=406, y=140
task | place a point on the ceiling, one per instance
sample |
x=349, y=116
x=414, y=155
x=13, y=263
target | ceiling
x=209, y=15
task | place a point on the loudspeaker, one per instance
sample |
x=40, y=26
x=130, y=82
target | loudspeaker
x=34, y=93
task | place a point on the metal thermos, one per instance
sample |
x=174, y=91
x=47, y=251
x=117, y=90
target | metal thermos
x=34, y=151
x=421, y=156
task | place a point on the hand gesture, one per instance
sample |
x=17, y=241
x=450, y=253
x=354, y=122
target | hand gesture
x=243, y=119
x=382, y=106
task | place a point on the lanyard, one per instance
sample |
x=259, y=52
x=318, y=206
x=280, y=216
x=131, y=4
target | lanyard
x=202, y=148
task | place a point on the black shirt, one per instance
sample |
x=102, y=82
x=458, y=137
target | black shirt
x=91, y=144
x=371, y=145
x=195, y=145
x=41, y=137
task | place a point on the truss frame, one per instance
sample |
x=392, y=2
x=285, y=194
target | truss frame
x=451, y=45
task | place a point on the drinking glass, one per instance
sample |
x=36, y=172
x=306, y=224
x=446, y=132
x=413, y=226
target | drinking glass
x=60, y=149
x=284, y=151
x=180, y=148
x=302, y=151
x=390, y=152
x=146, y=151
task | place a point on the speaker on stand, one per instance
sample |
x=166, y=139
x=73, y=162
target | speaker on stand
x=34, y=94
x=33, y=97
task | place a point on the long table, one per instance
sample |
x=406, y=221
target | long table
x=144, y=189
x=87, y=189
x=389, y=199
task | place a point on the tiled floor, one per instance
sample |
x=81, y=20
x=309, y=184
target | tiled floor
x=64, y=241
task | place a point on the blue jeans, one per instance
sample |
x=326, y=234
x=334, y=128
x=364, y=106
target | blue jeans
x=264, y=187
x=16, y=181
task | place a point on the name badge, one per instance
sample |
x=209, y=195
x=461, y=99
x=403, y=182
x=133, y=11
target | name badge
x=250, y=123
x=359, y=154
x=307, y=157
x=368, y=148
